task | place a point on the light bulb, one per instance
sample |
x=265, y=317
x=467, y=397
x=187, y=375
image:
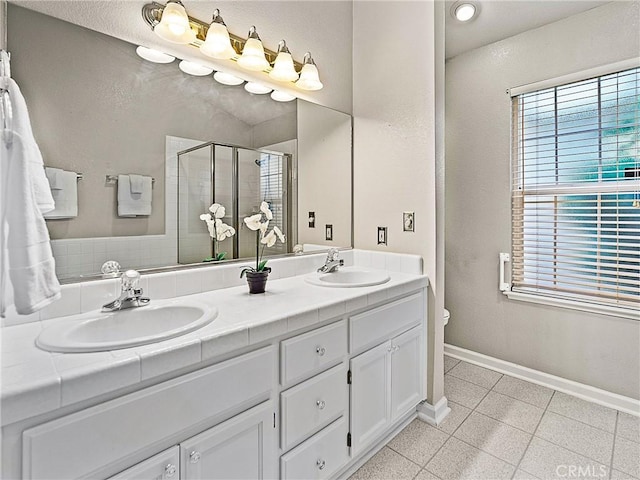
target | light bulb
x=309, y=77
x=257, y=88
x=154, y=55
x=252, y=57
x=174, y=25
x=283, y=69
x=281, y=96
x=194, y=68
x=217, y=44
x=227, y=79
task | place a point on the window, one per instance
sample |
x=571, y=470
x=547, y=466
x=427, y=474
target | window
x=576, y=190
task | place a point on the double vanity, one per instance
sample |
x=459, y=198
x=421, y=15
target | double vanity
x=305, y=381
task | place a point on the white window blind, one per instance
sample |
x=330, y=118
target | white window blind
x=576, y=190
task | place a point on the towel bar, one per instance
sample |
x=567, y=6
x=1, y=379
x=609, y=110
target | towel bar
x=79, y=176
x=114, y=179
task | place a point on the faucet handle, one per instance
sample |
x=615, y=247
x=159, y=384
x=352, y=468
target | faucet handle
x=130, y=279
x=332, y=254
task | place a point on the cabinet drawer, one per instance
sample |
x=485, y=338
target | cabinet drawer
x=319, y=457
x=311, y=352
x=101, y=436
x=377, y=325
x=313, y=404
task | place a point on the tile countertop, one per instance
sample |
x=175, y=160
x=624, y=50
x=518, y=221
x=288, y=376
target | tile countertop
x=35, y=381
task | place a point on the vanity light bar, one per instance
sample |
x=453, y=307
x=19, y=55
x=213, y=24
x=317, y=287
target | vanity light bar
x=172, y=23
x=152, y=13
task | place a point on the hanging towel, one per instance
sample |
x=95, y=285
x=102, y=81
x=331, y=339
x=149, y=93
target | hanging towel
x=54, y=176
x=26, y=260
x=133, y=204
x=33, y=157
x=65, y=197
x=136, y=183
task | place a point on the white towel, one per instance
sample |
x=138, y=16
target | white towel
x=65, y=197
x=54, y=176
x=133, y=204
x=22, y=126
x=26, y=259
x=136, y=183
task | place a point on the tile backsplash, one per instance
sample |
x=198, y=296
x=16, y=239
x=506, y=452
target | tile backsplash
x=87, y=296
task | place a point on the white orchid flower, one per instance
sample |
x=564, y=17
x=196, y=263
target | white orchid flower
x=205, y=217
x=253, y=222
x=264, y=208
x=217, y=210
x=279, y=234
x=269, y=239
x=224, y=231
x=263, y=227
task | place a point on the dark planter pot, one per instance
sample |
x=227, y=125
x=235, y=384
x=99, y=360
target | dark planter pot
x=257, y=280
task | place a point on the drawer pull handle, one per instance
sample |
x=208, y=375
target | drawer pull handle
x=321, y=404
x=195, y=457
x=169, y=470
x=320, y=351
x=320, y=464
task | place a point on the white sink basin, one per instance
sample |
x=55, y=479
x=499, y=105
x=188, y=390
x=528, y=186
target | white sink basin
x=97, y=331
x=349, y=277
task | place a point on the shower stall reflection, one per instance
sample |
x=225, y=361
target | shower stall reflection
x=239, y=179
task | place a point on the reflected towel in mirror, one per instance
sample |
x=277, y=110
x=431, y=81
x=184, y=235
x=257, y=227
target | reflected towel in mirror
x=133, y=204
x=65, y=196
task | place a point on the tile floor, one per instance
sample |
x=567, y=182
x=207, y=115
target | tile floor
x=501, y=427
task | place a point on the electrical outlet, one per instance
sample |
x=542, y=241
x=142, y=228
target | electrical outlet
x=382, y=235
x=312, y=219
x=328, y=232
x=408, y=219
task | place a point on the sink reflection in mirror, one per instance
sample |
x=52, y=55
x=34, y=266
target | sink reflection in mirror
x=98, y=331
x=114, y=113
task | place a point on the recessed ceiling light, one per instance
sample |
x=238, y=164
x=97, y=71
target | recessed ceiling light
x=154, y=55
x=463, y=12
x=227, y=78
x=194, y=68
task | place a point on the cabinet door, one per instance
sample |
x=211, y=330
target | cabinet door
x=370, y=395
x=243, y=447
x=406, y=374
x=163, y=466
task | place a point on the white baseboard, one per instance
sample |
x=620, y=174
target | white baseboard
x=433, y=414
x=580, y=390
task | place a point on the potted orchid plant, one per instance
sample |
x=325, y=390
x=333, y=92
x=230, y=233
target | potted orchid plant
x=257, y=276
x=218, y=230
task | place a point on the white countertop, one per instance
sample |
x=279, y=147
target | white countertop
x=35, y=381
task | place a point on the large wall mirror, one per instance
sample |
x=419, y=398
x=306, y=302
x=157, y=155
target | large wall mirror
x=99, y=110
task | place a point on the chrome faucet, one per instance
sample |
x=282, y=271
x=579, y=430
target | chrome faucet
x=332, y=262
x=131, y=293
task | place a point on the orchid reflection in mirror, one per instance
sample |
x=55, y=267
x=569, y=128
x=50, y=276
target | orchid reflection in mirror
x=257, y=276
x=218, y=230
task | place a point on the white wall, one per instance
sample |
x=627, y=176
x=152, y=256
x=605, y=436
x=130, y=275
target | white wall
x=597, y=350
x=394, y=139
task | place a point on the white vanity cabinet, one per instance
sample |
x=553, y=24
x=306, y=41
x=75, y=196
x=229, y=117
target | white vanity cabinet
x=304, y=406
x=386, y=380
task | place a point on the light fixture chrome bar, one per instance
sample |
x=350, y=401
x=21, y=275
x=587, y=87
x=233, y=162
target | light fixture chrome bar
x=152, y=13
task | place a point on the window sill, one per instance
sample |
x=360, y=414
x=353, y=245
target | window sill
x=575, y=305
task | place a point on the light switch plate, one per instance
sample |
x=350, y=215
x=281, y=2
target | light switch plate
x=382, y=235
x=312, y=219
x=408, y=221
x=328, y=232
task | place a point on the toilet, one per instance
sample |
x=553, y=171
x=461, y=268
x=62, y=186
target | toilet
x=446, y=317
